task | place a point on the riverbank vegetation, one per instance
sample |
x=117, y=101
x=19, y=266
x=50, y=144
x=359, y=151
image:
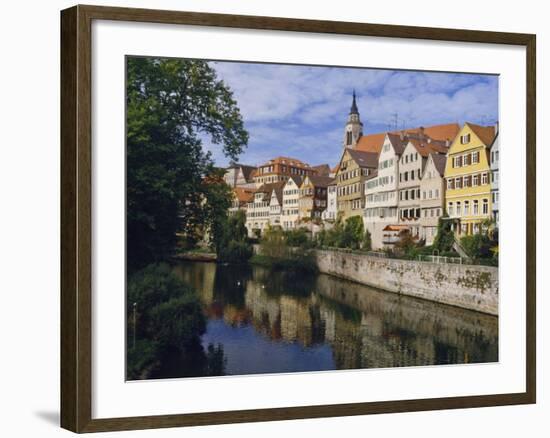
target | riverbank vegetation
x=285, y=250
x=164, y=317
x=349, y=234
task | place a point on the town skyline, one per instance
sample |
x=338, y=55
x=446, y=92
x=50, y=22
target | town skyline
x=301, y=109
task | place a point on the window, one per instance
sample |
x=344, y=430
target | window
x=475, y=157
x=467, y=181
x=458, y=209
x=458, y=183
x=458, y=161
x=465, y=139
x=475, y=180
x=412, y=175
x=450, y=209
x=450, y=184
x=484, y=178
x=485, y=206
x=436, y=193
x=466, y=208
x=467, y=159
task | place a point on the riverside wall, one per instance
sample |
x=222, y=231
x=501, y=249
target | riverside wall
x=467, y=286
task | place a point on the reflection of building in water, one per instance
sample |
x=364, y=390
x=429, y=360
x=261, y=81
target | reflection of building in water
x=201, y=277
x=329, y=317
x=402, y=331
x=364, y=328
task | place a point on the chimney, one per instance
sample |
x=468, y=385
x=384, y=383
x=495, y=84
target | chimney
x=402, y=135
x=496, y=127
x=448, y=143
x=421, y=132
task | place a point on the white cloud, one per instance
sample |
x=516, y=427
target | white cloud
x=301, y=110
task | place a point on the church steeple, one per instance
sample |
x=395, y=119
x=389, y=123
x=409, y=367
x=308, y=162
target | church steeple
x=354, y=128
x=353, y=109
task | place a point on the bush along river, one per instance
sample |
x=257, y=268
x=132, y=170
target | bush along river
x=264, y=321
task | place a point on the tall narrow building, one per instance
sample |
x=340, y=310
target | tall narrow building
x=354, y=128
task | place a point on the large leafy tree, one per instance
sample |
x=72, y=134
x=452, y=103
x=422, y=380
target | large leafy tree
x=172, y=105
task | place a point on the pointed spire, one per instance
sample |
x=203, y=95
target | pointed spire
x=353, y=109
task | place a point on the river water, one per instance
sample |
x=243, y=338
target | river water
x=275, y=322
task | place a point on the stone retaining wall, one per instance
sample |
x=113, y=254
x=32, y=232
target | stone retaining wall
x=466, y=286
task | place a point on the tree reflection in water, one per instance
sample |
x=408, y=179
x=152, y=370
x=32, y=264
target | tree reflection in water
x=259, y=321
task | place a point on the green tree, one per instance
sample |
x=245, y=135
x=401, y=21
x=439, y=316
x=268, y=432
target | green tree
x=172, y=105
x=367, y=241
x=445, y=237
x=352, y=234
x=231, y=242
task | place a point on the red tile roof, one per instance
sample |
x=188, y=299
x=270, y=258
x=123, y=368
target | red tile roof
x=373, y=142
x=485, y=133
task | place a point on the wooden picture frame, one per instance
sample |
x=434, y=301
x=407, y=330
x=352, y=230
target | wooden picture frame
x=76, y=217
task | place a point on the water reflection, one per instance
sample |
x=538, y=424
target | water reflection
x=269, y=322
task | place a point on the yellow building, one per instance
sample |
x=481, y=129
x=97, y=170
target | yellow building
x=468, y=178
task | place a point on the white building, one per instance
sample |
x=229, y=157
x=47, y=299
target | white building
x=276, y=205
x=258, y=211
x=381, y=190
x=290, y=214
x=331, y=212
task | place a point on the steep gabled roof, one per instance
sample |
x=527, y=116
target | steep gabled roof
x=439, y=161
x=364, y=159
x=248, y=172
x=297, y=179
x=485, y=133
x=320, y=181
x=268, y=188
x=397, y=142
x=426, y=148
x=322, y=169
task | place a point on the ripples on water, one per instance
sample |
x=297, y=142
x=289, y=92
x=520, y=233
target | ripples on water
x=273, y=322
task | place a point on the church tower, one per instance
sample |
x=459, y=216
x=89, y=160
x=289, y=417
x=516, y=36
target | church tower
x=354, y=127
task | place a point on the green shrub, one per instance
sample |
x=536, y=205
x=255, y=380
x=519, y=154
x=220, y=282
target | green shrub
x=235, y=252
x=297, y=237
x=445, y=237
x=163, y=313
x=477, y=246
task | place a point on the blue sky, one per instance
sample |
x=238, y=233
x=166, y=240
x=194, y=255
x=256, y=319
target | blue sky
x=300, y=111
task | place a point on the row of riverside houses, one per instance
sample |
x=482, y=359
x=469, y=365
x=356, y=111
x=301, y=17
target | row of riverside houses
x=405, y=179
